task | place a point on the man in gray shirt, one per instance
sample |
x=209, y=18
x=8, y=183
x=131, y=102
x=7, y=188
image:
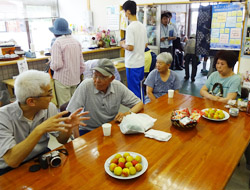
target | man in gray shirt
x=102, y=96
x=25, y=124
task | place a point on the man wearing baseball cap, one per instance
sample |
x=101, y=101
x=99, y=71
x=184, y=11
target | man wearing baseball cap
x=102, y=96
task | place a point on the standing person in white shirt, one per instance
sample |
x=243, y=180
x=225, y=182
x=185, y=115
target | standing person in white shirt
x=134, y=45
x=66, y=61
x=168, y=34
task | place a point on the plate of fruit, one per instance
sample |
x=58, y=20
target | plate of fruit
x=215, y=114
x=126, y=165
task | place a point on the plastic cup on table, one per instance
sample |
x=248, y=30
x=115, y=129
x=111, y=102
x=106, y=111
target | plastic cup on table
x=170, y=93
x=106, y=127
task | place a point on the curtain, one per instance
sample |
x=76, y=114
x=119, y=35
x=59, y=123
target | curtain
x=203, y=30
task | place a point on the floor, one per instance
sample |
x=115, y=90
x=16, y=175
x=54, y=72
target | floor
x=240, y=177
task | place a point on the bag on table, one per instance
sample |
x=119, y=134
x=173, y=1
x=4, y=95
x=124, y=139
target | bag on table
x=136, y=123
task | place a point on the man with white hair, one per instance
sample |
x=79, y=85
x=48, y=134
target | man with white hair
x=161, y=79
x=25, y=124
x=102, y=96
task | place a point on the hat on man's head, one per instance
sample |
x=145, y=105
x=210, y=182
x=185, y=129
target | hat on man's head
x=105, y=67
x=61, y=27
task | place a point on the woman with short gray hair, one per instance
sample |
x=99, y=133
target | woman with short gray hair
x=161, y=79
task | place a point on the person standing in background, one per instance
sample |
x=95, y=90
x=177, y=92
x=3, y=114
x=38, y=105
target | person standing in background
x=66, y=61
x=176, y=65
x=168, y=34
x=189, y=51
x=134, y=45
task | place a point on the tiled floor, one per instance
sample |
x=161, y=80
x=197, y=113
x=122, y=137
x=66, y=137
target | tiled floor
x=241, y=176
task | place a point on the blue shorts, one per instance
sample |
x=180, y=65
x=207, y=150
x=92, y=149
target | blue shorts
x=135, y=77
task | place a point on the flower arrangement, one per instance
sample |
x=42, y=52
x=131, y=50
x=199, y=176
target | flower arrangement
x=104, y=38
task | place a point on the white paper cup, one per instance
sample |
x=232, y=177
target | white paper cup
x=106, y=127
x=170, y=93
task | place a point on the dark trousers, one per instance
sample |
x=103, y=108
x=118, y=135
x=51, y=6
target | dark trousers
x=188, y=58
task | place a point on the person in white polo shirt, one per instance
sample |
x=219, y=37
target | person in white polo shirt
x=134, y=45
x=102, y=97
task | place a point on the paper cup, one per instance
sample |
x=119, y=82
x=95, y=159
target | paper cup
x=106, y=127
x=170, y=93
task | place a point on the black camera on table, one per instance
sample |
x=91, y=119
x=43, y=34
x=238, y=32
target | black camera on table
x=52, y=159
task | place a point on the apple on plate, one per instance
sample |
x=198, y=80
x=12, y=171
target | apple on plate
x=125, y=172
x=118, y=171
x=129, y=158
x=121, y=160
x=114, y=160
x=134, y=162
x=128, y=164
x=138, y=167
x=112, y=167
x=132, y=170
x=121, y=164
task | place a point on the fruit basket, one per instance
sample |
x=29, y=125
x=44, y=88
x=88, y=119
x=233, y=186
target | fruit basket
x=183, y=120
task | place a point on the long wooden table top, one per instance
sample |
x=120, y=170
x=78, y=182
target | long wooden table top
x=202, y=158
x=42, y=57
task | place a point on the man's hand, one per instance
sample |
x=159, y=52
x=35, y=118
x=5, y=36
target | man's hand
x=119, y=117
x=122, y=43
x=163, y=39
x=75, y=118
x=54, y=123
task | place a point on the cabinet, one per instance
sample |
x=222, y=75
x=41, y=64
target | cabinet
x=149, y=15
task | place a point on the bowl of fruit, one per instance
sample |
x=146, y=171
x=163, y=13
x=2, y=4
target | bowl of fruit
x=215, y=114
x=184, y=120
x=126, y=165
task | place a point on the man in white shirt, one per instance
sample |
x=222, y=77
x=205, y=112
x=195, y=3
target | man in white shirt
x=136, y=41
x=168, y=34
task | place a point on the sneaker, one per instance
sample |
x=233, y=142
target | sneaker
x=192, y=80
x=186, y=78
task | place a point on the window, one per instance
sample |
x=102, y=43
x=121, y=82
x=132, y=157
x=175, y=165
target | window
x=27, y=21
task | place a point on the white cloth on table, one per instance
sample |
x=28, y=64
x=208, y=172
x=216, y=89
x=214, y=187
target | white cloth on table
x=158, y=135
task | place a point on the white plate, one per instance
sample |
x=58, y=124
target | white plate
x=225, y=118
x=144, y=163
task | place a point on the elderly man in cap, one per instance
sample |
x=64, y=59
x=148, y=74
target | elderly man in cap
x=66, y=61
x=25, y=124
x=102, y=96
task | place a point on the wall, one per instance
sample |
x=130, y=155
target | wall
x=73, y=11
x=99, y=8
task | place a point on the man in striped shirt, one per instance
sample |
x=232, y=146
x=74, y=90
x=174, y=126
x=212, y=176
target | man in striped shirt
x=66, y=61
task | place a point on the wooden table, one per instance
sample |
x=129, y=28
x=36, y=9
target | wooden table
x=10, y=85
x=202, y=158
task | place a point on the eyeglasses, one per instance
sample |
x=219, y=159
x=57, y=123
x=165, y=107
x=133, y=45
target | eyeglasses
x=45, y=96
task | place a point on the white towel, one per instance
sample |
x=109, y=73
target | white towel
x=158, y=135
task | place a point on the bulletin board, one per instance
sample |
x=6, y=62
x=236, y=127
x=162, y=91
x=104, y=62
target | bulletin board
x=226, y=28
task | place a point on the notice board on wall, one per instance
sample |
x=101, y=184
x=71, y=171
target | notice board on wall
x=226, y=28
